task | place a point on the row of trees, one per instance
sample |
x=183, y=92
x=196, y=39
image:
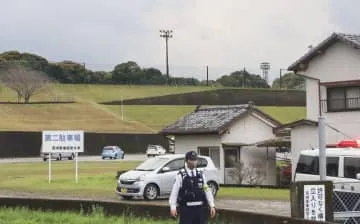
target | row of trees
x=73, y=72
x=130, y=73
x=28, y=74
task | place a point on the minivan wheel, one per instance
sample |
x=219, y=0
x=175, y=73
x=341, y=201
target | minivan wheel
x=151, y=192
x=59, y=158
x=71, y=157
x=213, y=188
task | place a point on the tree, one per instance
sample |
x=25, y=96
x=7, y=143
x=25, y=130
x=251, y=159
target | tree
x=127, y=73
x=15, y=58
x=24, y=81
x=289, y=81
x=72, y=72
x=242, y=79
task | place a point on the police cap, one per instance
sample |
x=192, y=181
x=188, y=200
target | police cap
x=191, y=155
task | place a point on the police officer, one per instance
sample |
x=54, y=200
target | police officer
x=191, y=193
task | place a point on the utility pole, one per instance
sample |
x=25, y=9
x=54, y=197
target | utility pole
x=281, y=69
x=322, y=148
x=207, y=75
x=166, y=34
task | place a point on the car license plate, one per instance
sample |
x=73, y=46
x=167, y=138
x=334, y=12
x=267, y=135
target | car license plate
x=124, y=190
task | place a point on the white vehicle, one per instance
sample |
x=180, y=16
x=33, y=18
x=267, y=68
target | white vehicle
x=58, y=155
x=155, y=150
x=342, y=166
x=155, y=176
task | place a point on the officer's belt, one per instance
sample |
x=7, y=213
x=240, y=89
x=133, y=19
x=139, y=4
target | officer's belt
x=194, y=203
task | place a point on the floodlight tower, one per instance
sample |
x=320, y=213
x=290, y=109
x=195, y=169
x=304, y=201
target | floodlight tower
x=166, y=34
x=265, y=67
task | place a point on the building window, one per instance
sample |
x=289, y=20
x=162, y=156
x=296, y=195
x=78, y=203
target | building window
x=213, y=152
x=343, y=98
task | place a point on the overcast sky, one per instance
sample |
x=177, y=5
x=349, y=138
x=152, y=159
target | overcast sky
x=227, y=35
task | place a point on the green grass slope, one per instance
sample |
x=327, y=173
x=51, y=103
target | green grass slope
x=88, y=115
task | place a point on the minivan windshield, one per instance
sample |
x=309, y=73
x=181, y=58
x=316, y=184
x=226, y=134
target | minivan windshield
x=151, y=164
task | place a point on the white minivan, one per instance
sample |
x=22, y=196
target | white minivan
x=342, y=167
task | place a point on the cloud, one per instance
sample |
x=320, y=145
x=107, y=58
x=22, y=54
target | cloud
x=226, y=35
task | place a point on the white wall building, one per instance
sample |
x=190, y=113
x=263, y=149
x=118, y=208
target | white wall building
x=228, y=134
x=332, y=72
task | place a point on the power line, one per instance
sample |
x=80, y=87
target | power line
x=337, y=130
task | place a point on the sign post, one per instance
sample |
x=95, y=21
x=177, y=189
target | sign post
x=312, y=200
x=63, y=142
x=49, y=167
x=76, y=168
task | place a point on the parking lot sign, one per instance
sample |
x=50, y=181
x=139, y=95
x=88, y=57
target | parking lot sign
x=62, y=141
x=59, y=141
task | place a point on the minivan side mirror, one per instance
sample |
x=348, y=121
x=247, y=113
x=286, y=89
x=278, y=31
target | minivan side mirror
x=165, y=169
x=358, y=176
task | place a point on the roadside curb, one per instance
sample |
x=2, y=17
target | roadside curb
x=116, y=208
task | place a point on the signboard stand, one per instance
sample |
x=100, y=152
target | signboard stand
x=63, y=142
x=49, y=167
x=312, y=200
x=76, y=168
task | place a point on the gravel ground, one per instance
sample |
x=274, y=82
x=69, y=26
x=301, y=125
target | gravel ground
x=280, y=208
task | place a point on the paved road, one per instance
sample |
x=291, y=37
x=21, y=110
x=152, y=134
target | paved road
x=128, y=157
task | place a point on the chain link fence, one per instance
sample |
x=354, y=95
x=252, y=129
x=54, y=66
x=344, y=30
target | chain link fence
x=346, y=202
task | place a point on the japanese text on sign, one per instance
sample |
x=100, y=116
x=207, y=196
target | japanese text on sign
x=63, y=141
x=314, y=202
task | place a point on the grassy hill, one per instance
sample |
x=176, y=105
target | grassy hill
x=156, y=117
x=83, y=116
x=88, y=115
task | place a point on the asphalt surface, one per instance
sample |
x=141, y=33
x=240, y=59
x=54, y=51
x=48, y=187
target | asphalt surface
x=128, y=157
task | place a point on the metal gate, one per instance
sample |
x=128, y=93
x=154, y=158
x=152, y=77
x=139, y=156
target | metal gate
x=346, y=202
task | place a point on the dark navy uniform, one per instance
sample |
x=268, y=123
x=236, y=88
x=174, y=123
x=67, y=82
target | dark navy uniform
x=191, y=193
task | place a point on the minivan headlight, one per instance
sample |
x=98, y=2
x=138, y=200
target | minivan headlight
x=141, y=178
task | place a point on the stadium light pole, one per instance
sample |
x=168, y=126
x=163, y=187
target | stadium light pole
x=166, y=34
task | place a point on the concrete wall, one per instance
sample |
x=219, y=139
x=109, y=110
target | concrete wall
x=302, y=137
x=312, y=99
x=248, y=130
x=346, y=122
x=151, y=210
x=340, y=62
